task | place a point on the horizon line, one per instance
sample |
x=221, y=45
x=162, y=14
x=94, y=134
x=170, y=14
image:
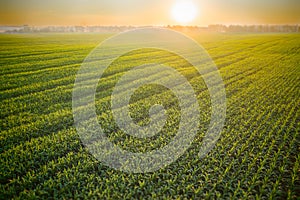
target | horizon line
x=166, y=25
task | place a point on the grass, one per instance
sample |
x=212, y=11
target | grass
x=256, y=157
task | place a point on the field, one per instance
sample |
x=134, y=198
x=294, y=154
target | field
x=256, y=157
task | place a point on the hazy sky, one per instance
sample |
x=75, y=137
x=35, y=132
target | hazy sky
x=146, y=12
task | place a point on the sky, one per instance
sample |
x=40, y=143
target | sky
x=146, y=12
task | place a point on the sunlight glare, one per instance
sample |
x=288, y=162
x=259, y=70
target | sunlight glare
x=184, y=11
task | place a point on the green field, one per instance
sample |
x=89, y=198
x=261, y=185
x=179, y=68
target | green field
x=256, y=157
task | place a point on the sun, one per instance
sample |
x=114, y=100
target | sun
x=184, y=11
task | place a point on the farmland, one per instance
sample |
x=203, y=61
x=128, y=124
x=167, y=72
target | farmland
x=256, y=156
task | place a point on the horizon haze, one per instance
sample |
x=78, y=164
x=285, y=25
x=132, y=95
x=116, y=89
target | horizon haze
x=148, y=13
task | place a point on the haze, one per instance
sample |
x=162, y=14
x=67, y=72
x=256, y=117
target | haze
x=146, y=12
